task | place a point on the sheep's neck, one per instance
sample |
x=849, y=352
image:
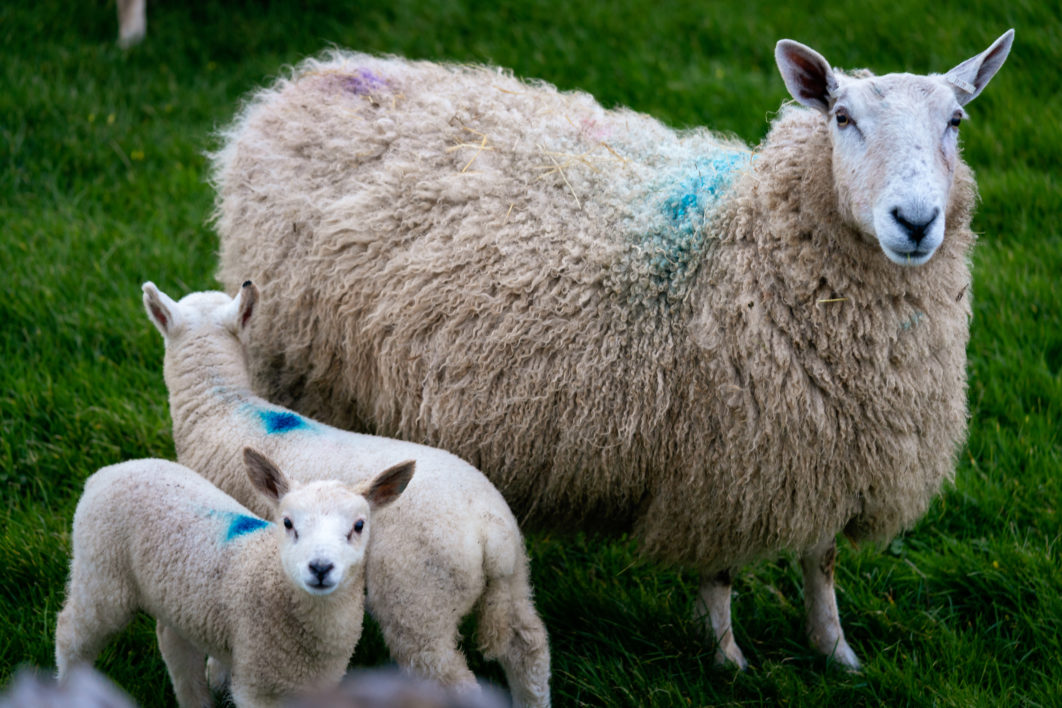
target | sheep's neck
x=208, y=381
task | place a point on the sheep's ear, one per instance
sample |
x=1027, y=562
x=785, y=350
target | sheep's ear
x=970, y=78
x=162, y=311
x=806, y=73
x=265, y=476
x=246, y=300
x=390, y=484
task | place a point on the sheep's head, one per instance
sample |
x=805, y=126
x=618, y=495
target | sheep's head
x=211, y=308
x=323, y=526
x=895, y=141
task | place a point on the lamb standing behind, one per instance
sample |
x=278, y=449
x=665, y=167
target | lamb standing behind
x=285, y=617
x=626, y=327
x=448, y=546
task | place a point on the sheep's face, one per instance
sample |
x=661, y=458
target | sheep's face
x=895, y=149
x=323, y=526
x=894, y=142
x=324, y=531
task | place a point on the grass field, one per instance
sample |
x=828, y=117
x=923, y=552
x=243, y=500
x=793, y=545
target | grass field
x=102, y=186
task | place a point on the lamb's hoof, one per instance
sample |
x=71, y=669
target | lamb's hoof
x=730, y=656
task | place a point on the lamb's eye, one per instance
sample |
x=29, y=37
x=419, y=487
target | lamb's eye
x=287, y=524
x=955, y=120
x=359, y=525
x=843, y=119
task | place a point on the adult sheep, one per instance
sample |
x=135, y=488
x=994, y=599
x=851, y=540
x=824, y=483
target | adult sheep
x=727, y=352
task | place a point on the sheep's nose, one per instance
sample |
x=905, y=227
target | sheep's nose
x=321, y=569
x=915, y=226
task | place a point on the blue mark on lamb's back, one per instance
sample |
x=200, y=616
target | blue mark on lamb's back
x=242, y=524
x=281, y=421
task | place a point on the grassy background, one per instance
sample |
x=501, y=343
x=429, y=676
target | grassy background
x=102, y=186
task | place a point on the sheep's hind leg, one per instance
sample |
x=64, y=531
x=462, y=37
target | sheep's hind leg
x=187, y=667
x=511, y=631
x=820, y=603
x=713, y=606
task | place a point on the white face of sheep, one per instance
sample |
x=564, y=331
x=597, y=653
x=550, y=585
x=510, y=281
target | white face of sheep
x=323, y=527
x=895, y=141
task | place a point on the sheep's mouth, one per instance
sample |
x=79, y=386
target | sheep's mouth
x=321, y=587
x=916, y=257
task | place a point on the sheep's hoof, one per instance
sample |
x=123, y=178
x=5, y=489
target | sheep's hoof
x=730, y=656
x=844, y=658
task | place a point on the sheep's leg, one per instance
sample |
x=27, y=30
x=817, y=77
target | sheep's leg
x=219, y=675
x=95, y=610
x=132, y=21
x=187, y=667
x=511, y=631
x=820, y=603
x=423, y=643
x=713, y=606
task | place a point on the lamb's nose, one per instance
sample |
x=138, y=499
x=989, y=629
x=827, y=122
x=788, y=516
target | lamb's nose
x=321, y=569
x=915, y=226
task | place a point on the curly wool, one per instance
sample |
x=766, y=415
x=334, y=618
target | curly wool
x=625, y=326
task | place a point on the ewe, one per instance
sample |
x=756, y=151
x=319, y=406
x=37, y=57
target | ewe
x=729, y=353
x=280, y=605
x=448, y=546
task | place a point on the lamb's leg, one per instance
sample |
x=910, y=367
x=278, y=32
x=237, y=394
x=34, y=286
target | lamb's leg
x=187, y=667
x=820, y=603
x=95, y=609
x=511, y=631
x=713, y=606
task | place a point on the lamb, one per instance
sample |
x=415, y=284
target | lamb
x=728, y=352
x=448, y=546
x=280, y=604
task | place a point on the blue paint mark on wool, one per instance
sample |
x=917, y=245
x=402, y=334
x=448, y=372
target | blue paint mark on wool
x=242, y=524
x=675, y=246
x=281, y=421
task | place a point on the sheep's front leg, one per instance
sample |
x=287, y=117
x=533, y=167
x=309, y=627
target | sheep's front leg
x=820, y=603
x=714, y=607
x=186, y=665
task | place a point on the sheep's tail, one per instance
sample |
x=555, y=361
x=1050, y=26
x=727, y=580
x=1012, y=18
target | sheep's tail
x=509, y=629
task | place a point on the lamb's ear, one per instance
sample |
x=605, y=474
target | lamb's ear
x=265, y=476
x=970, y=78
x=162, y=311
x=806, y=73
x=247, y=299
x=390, y=484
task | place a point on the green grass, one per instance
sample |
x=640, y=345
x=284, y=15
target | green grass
x=102, y=186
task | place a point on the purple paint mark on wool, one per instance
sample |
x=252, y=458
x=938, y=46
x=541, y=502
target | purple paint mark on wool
x=363, y=82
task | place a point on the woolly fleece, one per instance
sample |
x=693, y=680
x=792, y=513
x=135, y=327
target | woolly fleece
x=625, y=326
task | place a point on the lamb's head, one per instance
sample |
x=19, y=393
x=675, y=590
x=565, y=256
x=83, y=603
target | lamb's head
x=894, y=141
x=323, y=526
x=202, y=312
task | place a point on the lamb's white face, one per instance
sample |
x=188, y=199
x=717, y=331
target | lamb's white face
x=894, y=141
x=895, y=150
x=324, y=528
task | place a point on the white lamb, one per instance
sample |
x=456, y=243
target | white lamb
x=449, y=545
x=281, y=605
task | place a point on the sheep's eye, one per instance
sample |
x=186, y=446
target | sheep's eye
x=955, y=120
x=287, y=524
x=359, y=525
x=843, y=119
